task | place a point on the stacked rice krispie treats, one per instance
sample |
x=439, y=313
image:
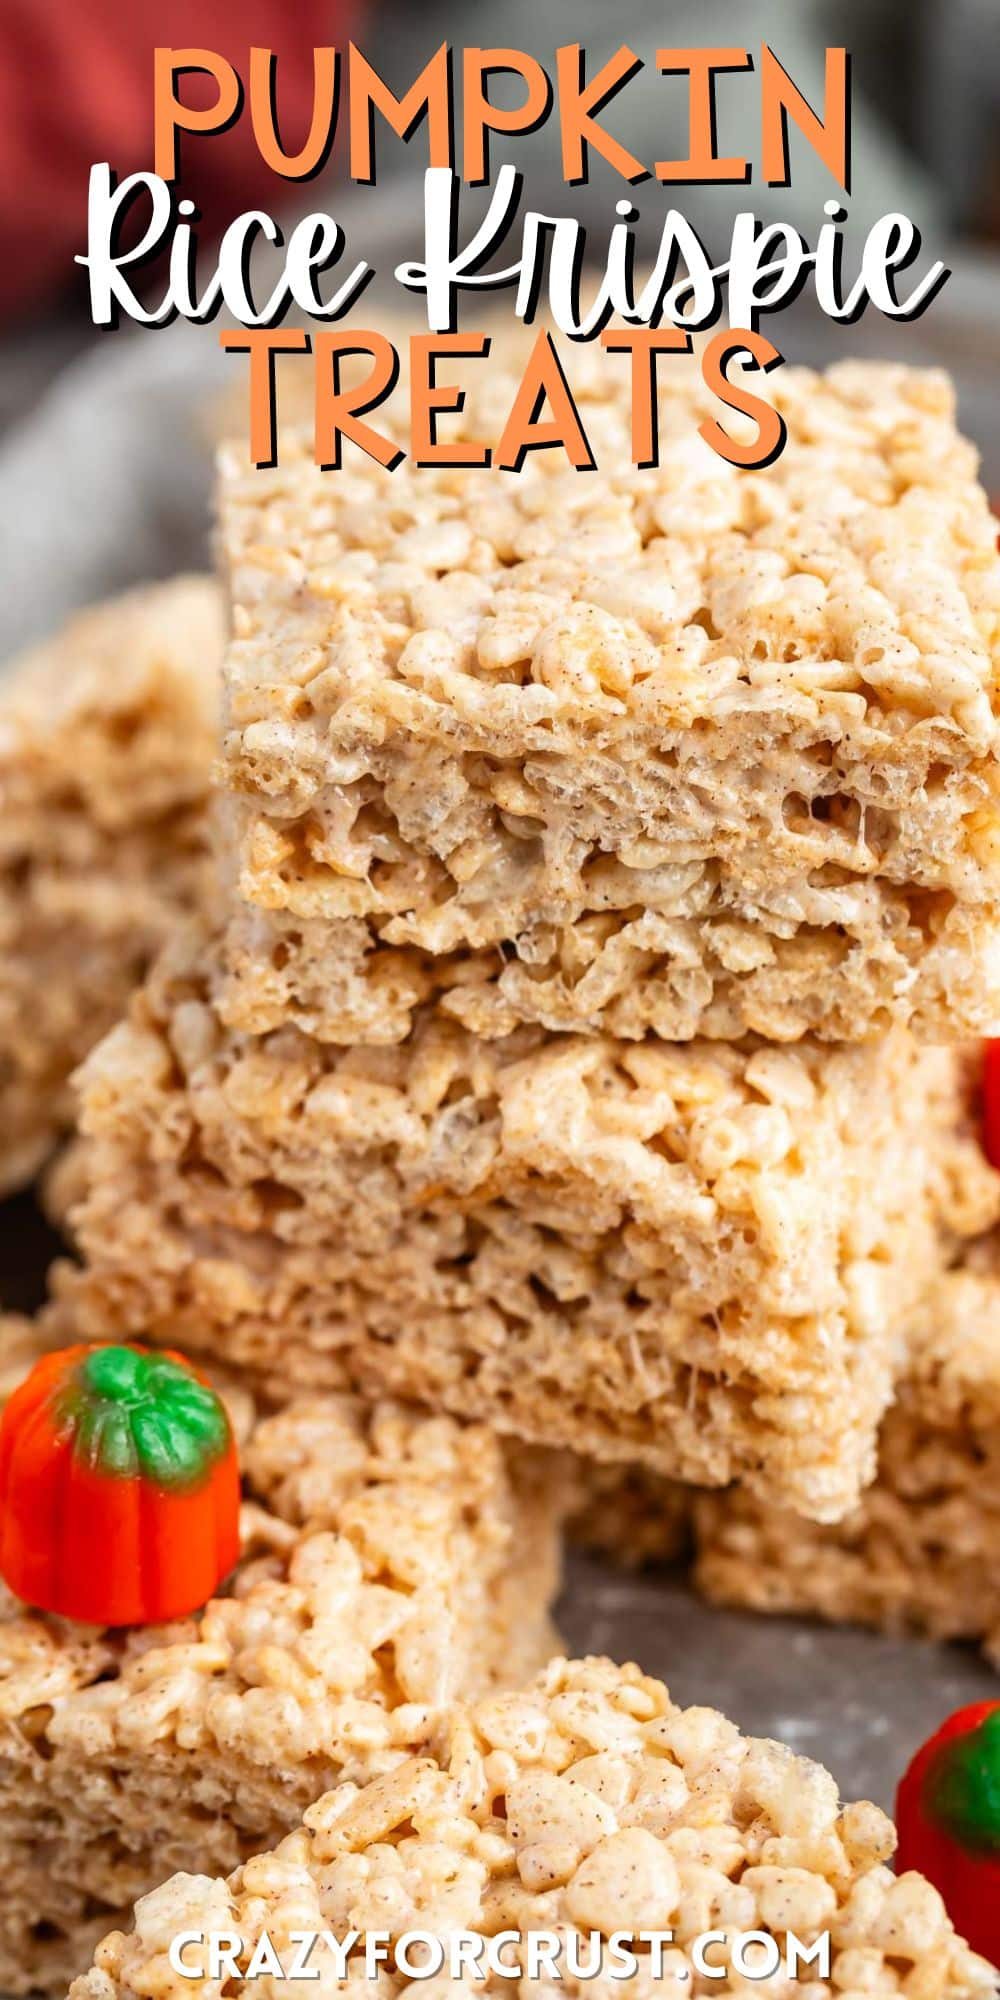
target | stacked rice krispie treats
x=601, y=859
x=107, y=736
x=588, y=1803
x=570, y=1040
x=921, y=1551
x=391, y=1562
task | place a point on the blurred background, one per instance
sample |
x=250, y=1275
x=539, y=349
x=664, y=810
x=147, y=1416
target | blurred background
x=104, y=442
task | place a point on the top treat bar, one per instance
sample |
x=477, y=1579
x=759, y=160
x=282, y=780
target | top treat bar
x=705, y=751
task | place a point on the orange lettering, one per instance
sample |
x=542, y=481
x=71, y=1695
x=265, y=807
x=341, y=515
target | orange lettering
x=339, y=411
x=430, y=399
x=578, y=104
x=543, y=382
x=429, y=95
x=644, y=343
x=479, y=116
x=262, y=344
x=263, y=114
x=170, y=116
x=703, y=162
x=771, y=427
x=780, y=99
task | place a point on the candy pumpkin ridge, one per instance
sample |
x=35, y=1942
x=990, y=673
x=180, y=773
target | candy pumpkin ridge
x=134, y=1414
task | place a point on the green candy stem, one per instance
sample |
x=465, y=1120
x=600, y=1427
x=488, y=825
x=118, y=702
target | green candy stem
x=115, y=1373
x=143, y=1415
x=964, y=1787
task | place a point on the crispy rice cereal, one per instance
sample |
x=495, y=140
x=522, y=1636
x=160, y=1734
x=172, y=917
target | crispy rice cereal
x=689, y=750
x=587, y=1802
x=391, y=1562
x=697, y=1257
x=107, y=735
x=922, y=1550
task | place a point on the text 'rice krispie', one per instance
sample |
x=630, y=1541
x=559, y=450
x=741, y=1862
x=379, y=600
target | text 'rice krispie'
x=921, y=1552
x=107, y=736
x=687, y=750
x=588, y=1803
x=701, y=1257
x=391, y=1562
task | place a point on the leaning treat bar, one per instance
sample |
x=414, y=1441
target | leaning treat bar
x=390, y=1562
x=587, y=1803
x=700, y=1257
x=948, y=1817
x=690, y=750
x=922, y=1550
x=107, y=735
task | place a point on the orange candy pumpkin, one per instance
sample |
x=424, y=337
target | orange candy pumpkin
x=119, y=1487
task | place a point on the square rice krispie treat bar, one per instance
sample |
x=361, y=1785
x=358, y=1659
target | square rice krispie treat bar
x=587, y=1803
x=700, y=1257
x=107, y=735
x=688, y=750
x=921, y=1552
x=391, y=1562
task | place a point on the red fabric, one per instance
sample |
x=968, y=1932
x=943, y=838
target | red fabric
x=76, y=85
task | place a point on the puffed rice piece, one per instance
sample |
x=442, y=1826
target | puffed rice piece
x=589, y=1801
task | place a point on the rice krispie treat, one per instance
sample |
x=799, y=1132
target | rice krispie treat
x=922, y=1549
x=900, y=1557
x=698, y=1257
x=107, y=735
x=391, y=1562
x=689, y=750
x=588, y=1803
